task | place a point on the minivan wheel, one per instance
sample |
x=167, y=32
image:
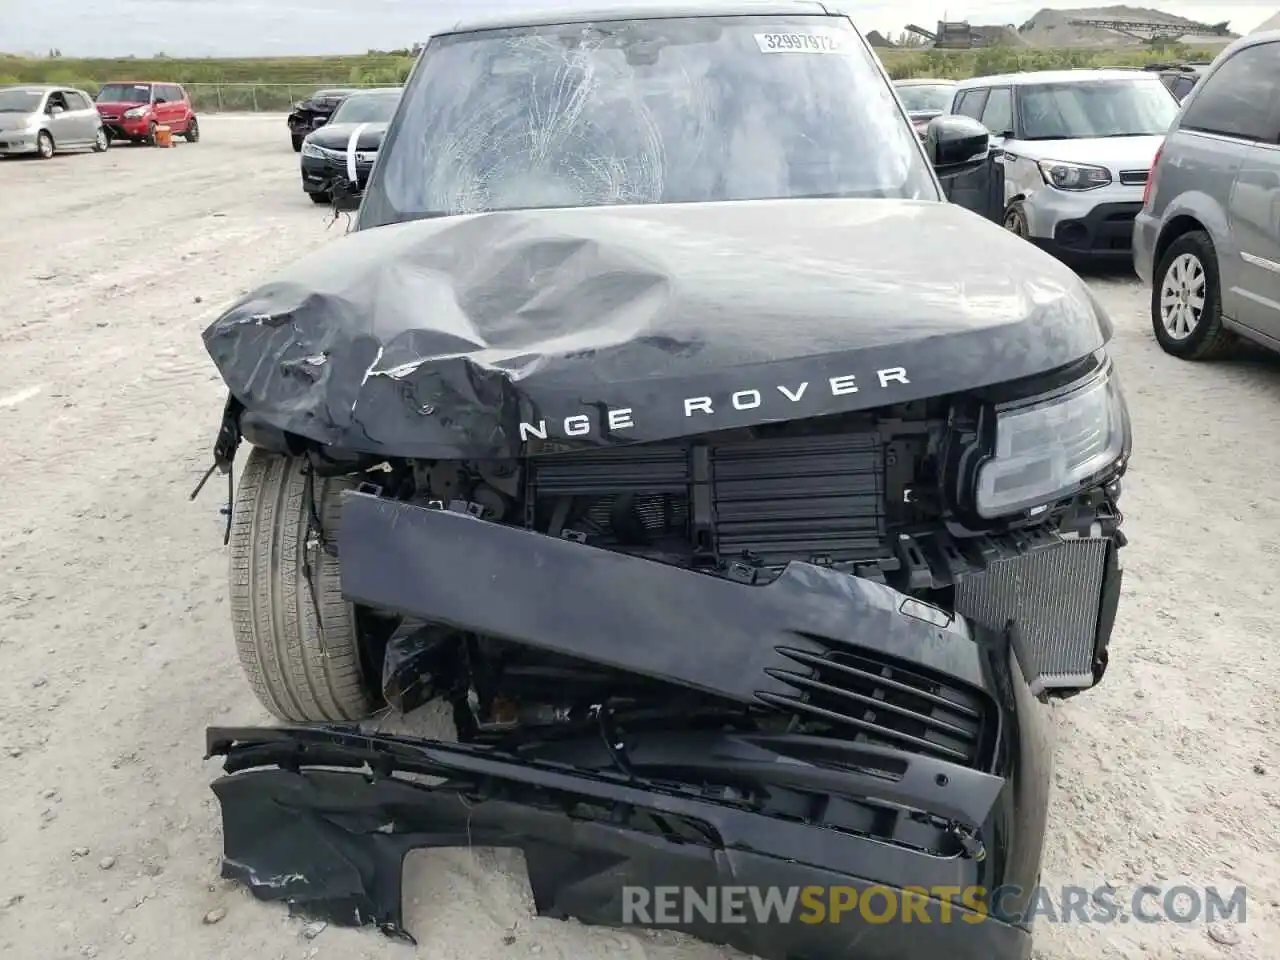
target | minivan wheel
x=150, y=138
x=44, y=145
x=1186, y=300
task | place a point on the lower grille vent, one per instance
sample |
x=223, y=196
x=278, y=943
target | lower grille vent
x=886, y=704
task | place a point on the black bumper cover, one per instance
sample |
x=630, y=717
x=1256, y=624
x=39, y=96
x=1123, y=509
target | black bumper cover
x=1106, y=233
x=331, y=843
x=318, y=175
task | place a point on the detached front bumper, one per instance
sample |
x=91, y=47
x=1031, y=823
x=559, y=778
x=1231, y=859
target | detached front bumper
x=938, y=794
x=331, y=844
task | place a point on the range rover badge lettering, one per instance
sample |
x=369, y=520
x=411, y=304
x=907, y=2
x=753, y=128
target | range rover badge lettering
x=750, y=398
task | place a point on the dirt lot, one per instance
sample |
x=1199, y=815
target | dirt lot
x=116, y=652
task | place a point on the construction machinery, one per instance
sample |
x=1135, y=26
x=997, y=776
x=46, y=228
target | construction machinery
x=1156, y=31
x=952, y=35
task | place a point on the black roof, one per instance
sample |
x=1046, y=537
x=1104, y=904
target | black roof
x=541, y=16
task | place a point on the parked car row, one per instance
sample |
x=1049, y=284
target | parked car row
x=1175, y=168
x=44, y=120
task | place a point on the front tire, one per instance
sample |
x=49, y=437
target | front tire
x=150, y=138
x=45, y=147
x=192, y=133
x=101, y=142
x=1015, y=221
x=1186, y=301
x=297, y=143
x=299, y=650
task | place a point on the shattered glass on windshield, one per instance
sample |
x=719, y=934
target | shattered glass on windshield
x=654, y=111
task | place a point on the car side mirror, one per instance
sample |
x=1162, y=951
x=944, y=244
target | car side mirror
x=956, y=145
x=54, y=111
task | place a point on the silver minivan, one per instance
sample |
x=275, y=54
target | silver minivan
x=43, y=120
x=1207, y=238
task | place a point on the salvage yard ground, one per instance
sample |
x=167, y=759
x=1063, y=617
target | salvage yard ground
x=115, y=646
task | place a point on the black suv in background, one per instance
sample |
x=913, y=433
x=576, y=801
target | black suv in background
x=745, y=500
x=314, y=112
x=1180, y=78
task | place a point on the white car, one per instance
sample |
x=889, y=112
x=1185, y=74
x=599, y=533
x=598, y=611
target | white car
x=1076, y=147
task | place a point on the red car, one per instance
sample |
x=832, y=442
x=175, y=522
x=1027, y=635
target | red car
x=131, y=110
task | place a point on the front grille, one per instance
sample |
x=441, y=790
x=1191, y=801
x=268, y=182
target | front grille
x=768, y=501
x=1054, y=594
x=879, y=701
x=1134, y=178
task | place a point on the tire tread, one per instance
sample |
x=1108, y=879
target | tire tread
x=300, y=668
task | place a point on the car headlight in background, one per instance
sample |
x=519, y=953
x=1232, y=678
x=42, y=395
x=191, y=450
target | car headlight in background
x=1074, y=176
x=1046, y=448
x=136, y=112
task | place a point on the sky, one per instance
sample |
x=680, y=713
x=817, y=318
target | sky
x=229, y=28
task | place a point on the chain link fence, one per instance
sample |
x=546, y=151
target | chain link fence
x=259, y=97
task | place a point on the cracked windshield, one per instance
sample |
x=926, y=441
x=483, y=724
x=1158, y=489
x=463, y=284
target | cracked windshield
x=655, y=111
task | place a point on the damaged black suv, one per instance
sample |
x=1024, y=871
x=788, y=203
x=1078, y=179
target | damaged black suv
x=746, y=500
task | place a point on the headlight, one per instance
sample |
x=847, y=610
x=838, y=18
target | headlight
x=136, y=112
x=1046, y=449
x=309, y=149
x=1074, y=176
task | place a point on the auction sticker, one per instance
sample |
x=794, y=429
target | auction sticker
x=807, y=42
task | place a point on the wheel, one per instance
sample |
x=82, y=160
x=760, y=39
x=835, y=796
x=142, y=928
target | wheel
x=101, y=142
x=192, y=133
x=297, y=143
x=1186, y=300
x=150, y=138
x=299, y=649
x=320, y=198
x=44, y=145
x=1015, y=221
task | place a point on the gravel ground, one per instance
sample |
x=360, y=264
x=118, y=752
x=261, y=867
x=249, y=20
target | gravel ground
x=116, y=648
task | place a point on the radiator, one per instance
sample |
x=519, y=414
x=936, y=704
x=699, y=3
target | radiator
x=1054, y=595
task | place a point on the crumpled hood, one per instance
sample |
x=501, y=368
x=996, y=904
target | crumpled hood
x=440, y=338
